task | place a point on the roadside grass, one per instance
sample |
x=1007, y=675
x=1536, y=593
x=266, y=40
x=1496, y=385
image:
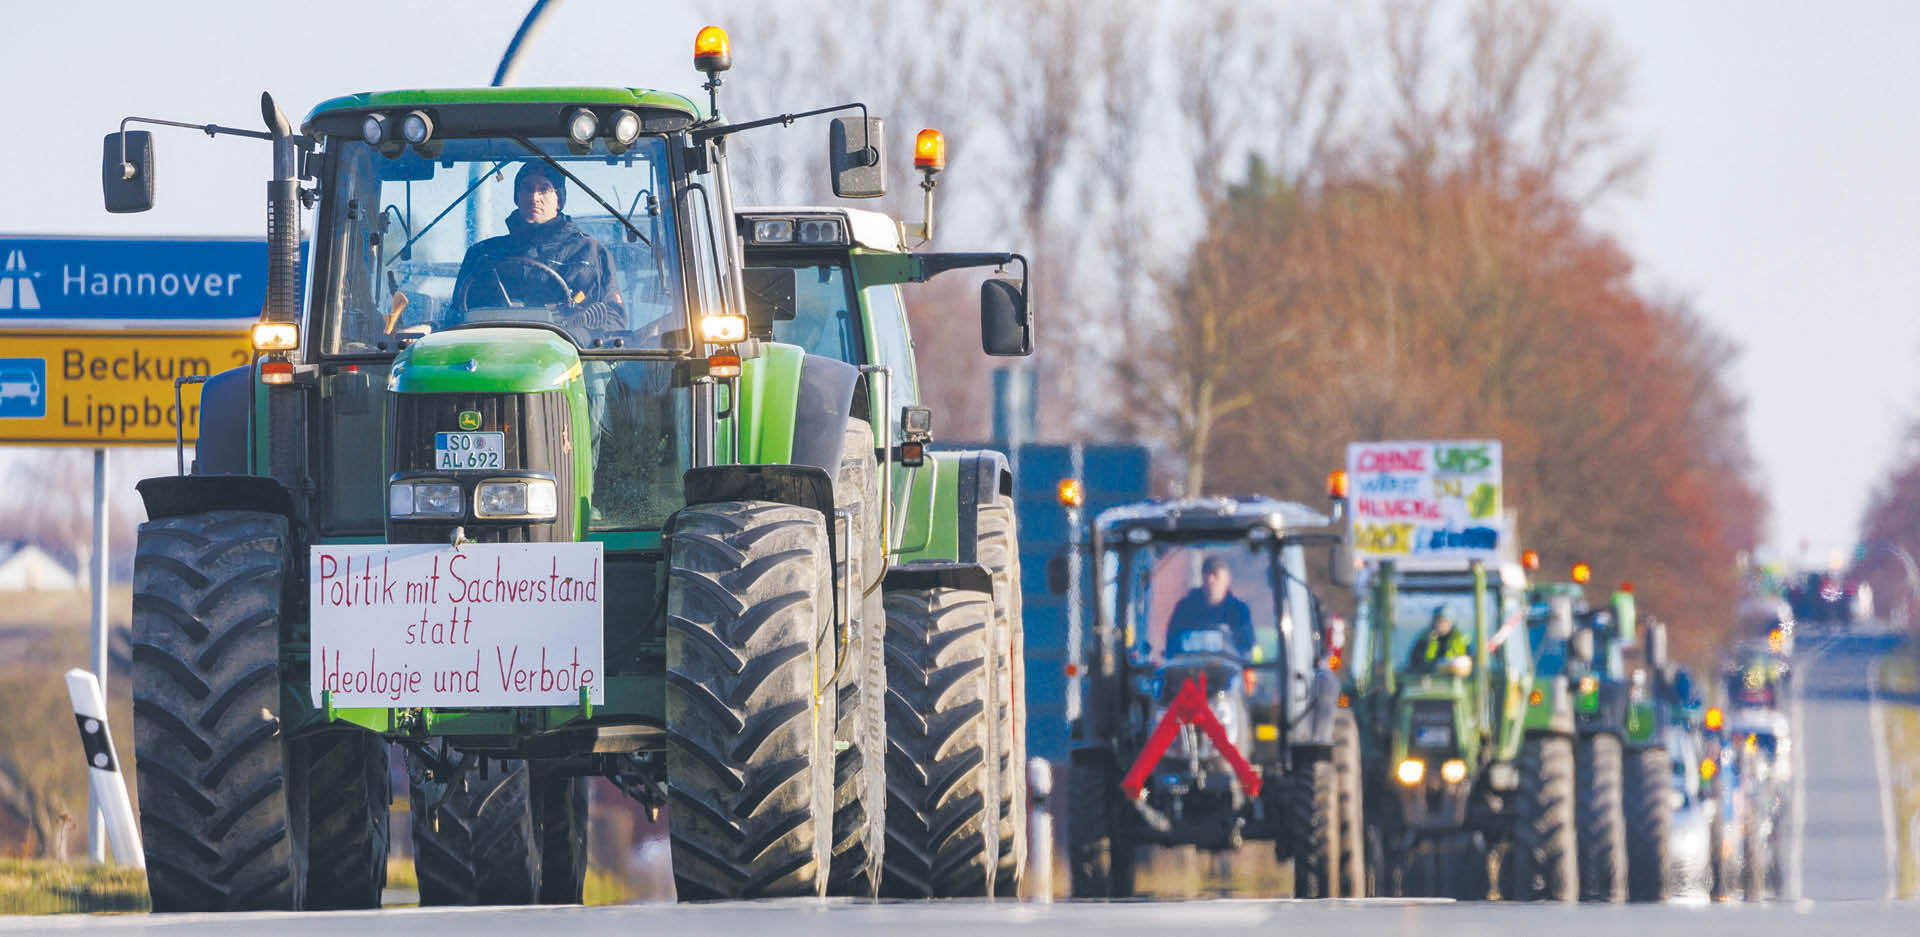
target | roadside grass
x=42, y=886
x=1901, y=721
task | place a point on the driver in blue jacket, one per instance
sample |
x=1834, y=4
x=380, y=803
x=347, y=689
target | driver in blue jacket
x=1211, y=607
x=507, y=270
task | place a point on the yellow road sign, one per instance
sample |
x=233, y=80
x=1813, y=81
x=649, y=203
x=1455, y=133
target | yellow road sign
x=106, y=388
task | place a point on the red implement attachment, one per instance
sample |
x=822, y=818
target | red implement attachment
x=1189, y=706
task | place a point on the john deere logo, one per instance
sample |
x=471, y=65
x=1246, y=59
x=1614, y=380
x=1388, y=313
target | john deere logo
x=469, y=419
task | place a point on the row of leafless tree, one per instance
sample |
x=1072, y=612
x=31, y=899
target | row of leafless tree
x=1263, y=231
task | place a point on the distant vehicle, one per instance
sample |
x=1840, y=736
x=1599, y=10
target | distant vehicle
x=20, y=382
x=1689, y=868
x=1830, y=599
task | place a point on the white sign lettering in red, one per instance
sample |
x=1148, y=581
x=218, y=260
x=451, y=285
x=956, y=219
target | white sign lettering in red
x=497, y=624
x=1412, y=500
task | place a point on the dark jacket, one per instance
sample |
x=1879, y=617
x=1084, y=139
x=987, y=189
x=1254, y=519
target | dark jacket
x=583, y=262
x=1194, y=613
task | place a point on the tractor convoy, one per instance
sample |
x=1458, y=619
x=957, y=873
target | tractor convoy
x=562, y=465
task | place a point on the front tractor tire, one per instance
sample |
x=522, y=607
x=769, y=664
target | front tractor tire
x=1545, y=842
x=1353, y=832
x=349, y=796
x=1649, y=822
x=1099, y=854
x=222, y=797
x=1603, y=823
x=478, y=847
x=942, y=817
x=750, y=705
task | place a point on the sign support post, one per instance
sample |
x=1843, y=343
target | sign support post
x=96, y=838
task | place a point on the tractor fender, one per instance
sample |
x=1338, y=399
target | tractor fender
x=178, y=495
x=225, y=400
x=805, y=486
x=1554, y=713
x=931, y=574
x=1323, y=700
x=791, y=409
x=943, y=508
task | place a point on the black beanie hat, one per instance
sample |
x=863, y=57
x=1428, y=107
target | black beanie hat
x=538, y=168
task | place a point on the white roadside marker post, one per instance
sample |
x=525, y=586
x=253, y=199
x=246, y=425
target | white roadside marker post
x=103, y=768
x=1039, y=832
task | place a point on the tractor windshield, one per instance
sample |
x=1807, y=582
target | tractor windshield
x=1414, y=611
x=503, y=230
x=1202, y=599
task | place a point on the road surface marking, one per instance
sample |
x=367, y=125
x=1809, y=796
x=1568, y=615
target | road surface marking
x=1877, y=721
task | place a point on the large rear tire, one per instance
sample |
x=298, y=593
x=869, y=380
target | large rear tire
x=349, y=796
x=1353, y=832
x=999, y=552
x=860, y=777
x=1649, y=808
x=478, y=847
x=222, y=801
x=1099, y=854
x=942, y=817
x=1754, y=861
x=1603, y=824
x=749, y=740
x=1314, y=807
x=1545, y=843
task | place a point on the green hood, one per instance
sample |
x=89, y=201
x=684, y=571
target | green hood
x=495, y=360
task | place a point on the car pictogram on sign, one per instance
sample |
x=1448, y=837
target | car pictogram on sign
x=23, y=388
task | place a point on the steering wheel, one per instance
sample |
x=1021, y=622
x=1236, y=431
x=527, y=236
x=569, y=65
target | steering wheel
x=459, y=300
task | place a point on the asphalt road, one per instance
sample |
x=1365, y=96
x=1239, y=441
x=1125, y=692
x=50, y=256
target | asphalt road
x=1842, y=848
x=1837, y=846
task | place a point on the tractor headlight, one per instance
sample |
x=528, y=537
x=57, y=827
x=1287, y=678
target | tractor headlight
x=821, y=231
x=275, y=336
x=374, y=129
x=416, y=128
x=626, y=127
x=581, y=126
x=424, y=499
x=723, y=329
x=519, y=498
x=773, y=231
x=1411, y=771
x=1453, y=771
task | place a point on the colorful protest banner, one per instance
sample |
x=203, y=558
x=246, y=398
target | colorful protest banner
x=1425, y=500
x=497, y=624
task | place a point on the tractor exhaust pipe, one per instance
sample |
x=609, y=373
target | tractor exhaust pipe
x=283, y=218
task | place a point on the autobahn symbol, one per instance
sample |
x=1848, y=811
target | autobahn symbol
x=16, y=284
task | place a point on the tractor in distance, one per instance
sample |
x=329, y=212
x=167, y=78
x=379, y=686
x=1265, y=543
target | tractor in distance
x=1210, y=702
x=1592, y=658
x=524, y=498
x=828, y=280
x=1454, y=775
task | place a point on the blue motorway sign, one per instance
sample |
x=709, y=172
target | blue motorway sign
x=23, y=387
x=89, y=279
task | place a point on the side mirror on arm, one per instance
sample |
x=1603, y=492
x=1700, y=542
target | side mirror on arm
x=856, y=157
x=126, y=171
x=770, y=298
x=1005, y=328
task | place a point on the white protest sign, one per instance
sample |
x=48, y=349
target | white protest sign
x=497, y=624
x=1425, y=500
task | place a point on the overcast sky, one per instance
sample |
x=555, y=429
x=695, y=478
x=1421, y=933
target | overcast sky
x=1779, y=196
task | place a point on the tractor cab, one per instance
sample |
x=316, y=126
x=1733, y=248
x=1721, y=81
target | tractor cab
x=1206, y=603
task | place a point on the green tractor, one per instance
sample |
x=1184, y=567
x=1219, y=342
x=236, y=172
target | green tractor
x=828, y=280
x=549, y=449
x=1612, y=722
x=1454, y=776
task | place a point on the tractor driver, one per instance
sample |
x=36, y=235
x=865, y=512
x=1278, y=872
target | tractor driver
x=1212, y=606
x=1440, y=649
x=544, y=259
